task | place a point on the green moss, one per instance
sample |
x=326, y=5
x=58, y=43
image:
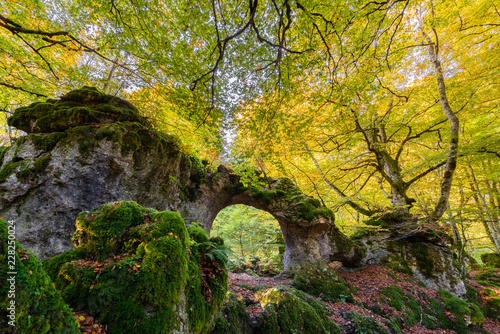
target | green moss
x=267, y=196
x=53, y=265
x=424, y=261
x=38, y=306
x=79, y=107
x=233, y=318
x=145, y=268
x=489, y=277
x=398, y=261
x=207, y=286
x=492, y=309
x=322, y=282
x=436, y=310
x=414, y=311
x=42, y=162
x=288, y=311
x=197, y=234
x=8, y=169
x=491, y=259
x=310, y=207
x=460, y=310
x=489, y=293
x=472, y=295
x=365, y=325
x=386, y=219
x=363, y=232
x=3, y=150
x=46, y=142
x=100, y=231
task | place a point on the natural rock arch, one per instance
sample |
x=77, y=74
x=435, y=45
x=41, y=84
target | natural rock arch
x=87, y=148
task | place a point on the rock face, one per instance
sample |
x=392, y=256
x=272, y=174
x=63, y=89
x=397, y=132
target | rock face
x=87, y=149
x=425, y=256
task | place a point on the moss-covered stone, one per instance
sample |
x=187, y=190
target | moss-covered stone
x=79, y=107
x=233, y=318
x=424, y=261
x=492, y=309
x=288, y=311
x=367, y=325
x=489, y=293
x=322, y=282
x=133, y=269
x=9, y=168
x=491, y=259
x=488, y=277
x=38, y=306
x=267, y=195
x=197, y=234
x=3, y=149
x=431, y=316
x=386, y=219
x=100, y=232
x=466, y=314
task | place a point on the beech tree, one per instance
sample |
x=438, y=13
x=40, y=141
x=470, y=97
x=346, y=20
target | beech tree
x=362, y=102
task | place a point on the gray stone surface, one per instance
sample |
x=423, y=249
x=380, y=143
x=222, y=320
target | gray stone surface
x=436, y=268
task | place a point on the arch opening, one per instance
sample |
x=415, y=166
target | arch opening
x=254, y=237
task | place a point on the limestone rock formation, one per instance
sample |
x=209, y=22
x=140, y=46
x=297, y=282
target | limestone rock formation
x=425, y=255
x=87, y=149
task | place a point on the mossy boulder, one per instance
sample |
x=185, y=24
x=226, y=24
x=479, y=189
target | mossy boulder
x=82, y=106
x=434, y=264
x=366, y=325
x=38, y=306
x=492, y=309
x=430, y=315
x=137, y=270
x=233, y=318
x=488, y=276
x=466, y=314
x=289, y=311
x=491, y=259
x=322, y=282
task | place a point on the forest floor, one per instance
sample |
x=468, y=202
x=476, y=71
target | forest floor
x=368, y=282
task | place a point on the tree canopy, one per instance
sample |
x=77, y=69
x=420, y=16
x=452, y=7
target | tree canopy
x=366, y=104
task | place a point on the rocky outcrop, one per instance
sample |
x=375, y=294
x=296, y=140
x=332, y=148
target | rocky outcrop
x=87, y=148
x=425, y=254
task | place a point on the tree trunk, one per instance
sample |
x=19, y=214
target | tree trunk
x=484, y=206
x=451, y=162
